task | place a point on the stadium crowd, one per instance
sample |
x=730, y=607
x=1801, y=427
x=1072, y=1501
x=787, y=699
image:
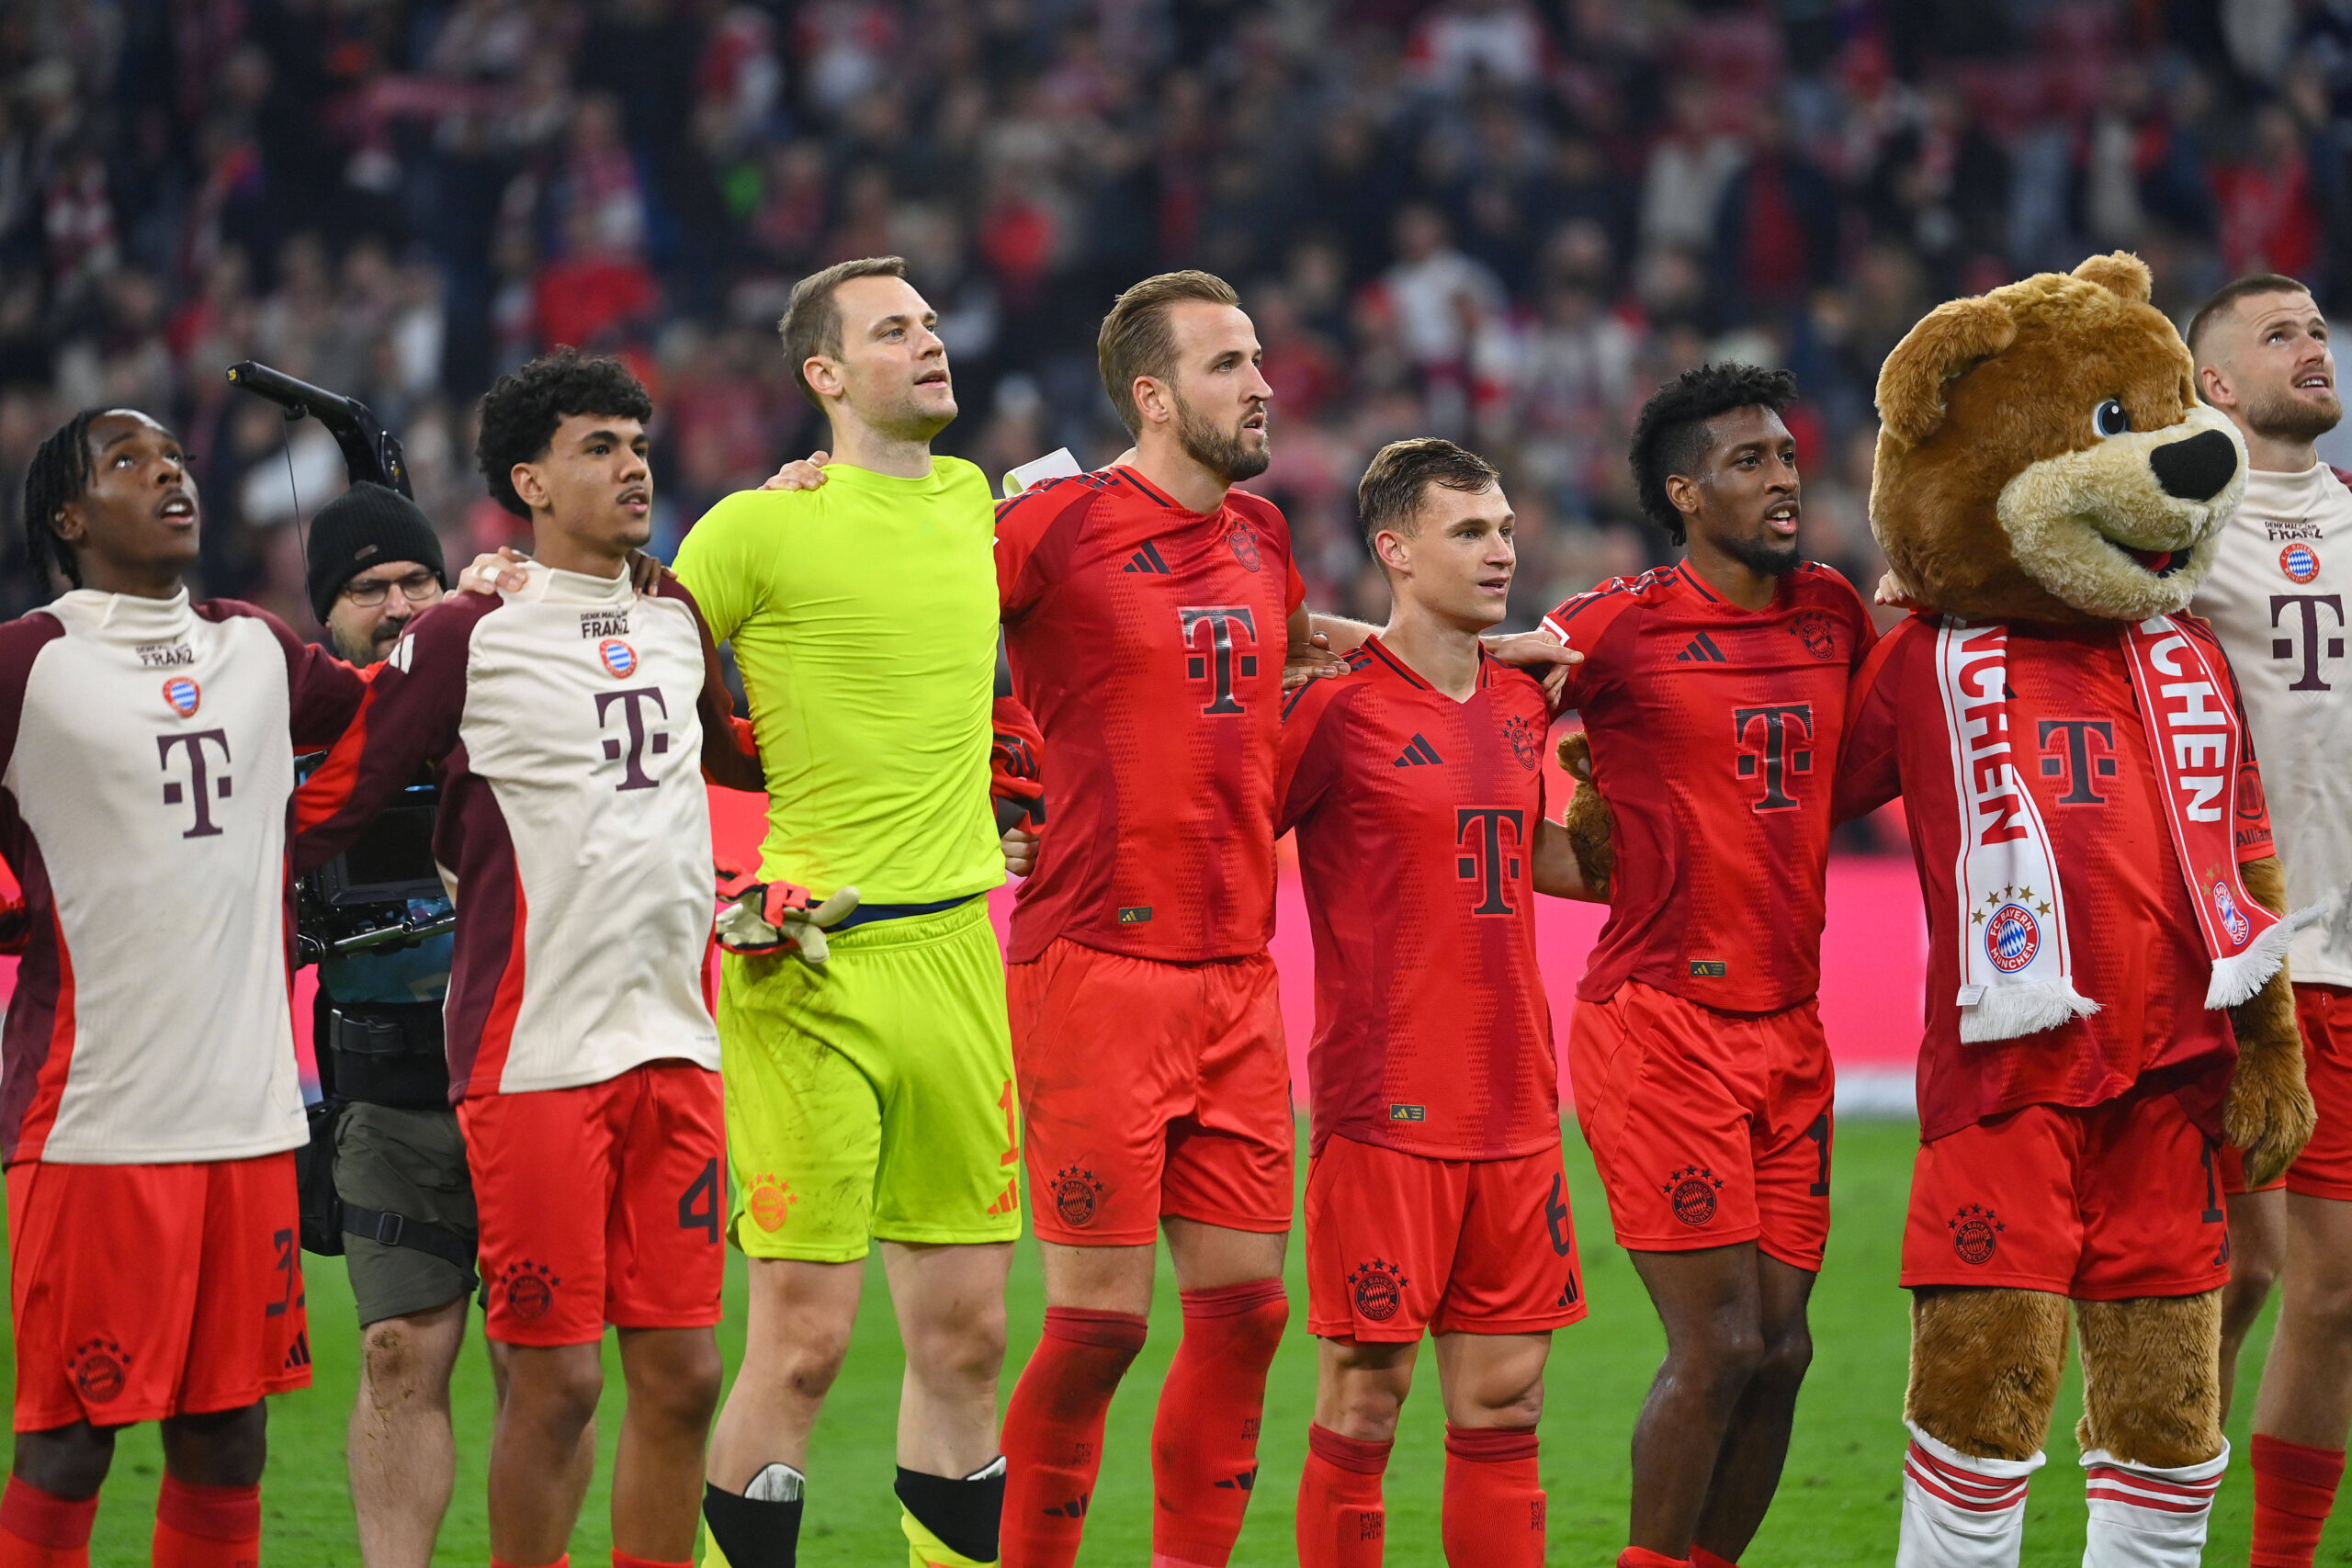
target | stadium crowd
x=1499, y=220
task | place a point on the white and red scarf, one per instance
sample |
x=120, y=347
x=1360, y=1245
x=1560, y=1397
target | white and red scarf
x=2016, y=977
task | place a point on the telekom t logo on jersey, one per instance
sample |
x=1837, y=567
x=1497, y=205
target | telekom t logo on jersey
x=202, y=785
x=632, y=701
x=1216, y=637
x=1774, y=737
x=2315, y=635
x=1491, y=838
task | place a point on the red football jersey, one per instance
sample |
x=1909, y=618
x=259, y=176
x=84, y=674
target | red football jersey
x=2135, y=946
x=1149, y=643
x=1416, y=818
x=1715, y=741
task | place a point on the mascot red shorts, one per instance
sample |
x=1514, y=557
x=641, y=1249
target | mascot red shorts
x=1150, y=1089
x=2100, y=1203
x=1399, y=1243
x=2324, y=1167
x=148, y=1290
x=1709, y=1128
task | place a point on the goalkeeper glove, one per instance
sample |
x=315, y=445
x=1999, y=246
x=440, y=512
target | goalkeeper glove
x=1016, y=766
x=777, y=916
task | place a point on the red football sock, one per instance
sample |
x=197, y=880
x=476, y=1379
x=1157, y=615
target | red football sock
x=2294, y=1488
x=1204, y=1439
x=1643, y=1557
x=1341, y=1521
x=623, y=1560
x=40, y=1529
x=1494, y=1501
x=207, y=1526
x=1053, y=1432
x=1701, y=1558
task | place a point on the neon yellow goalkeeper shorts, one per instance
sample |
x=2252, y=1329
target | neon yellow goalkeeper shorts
x=872, y=1097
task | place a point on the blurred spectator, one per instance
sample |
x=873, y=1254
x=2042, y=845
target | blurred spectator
x=1502, y=220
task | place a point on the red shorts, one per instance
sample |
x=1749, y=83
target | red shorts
x=600, y=1204
x=1399, y=1243
x=1709, y=1128
x=2100, y=1204
x=148, y=1290
x=2324, y=1167
x=1150, y=1089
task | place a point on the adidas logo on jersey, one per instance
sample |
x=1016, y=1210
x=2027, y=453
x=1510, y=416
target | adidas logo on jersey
x=1147, y=559
x=1701, y=651
x=299, y=1353
x=1419, y=754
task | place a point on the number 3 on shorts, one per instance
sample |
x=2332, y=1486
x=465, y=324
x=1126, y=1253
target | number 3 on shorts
x=698, y=1208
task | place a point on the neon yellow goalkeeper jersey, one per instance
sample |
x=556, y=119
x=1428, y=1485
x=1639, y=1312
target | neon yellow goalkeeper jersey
x=863, y=615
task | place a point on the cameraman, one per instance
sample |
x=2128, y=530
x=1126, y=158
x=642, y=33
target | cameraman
x=399, y=1159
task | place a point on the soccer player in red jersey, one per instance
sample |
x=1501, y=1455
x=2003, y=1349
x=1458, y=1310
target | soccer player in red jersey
x=1149, y=610
x=149, y=1099
x=1713, y=692
x=1435, y=1198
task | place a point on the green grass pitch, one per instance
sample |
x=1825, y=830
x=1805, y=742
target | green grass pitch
x=1837, y=1504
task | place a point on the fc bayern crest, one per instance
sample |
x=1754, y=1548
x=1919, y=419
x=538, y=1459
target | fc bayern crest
x=2012, y=938
x=619, y=658
x=1693, y=1192
x=1813, y=629
x=1244, y=540
x=184, y=695
x=1380, y=1290
x=1975, y=1232
x=2232, y=918
x=2299, y=562
x=1525, y=743
x=1075, y=1196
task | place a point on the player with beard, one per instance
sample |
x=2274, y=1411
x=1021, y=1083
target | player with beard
x=2277, y=598
x=1149, y=608
x=1712, y=692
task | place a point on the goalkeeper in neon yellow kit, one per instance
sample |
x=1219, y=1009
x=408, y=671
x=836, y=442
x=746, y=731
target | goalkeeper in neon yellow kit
x=868, y=1096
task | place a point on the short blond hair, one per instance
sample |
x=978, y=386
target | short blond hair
x=1136, y=340
x=811, y=322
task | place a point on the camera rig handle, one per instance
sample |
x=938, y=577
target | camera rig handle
x=369, y=451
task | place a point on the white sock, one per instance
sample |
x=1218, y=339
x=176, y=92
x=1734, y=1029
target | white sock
x=1960, y=1511
x=2146, y=1517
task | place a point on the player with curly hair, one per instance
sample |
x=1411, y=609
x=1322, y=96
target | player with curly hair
x=150, y=1103
x=1713, y=694
x=571, y=722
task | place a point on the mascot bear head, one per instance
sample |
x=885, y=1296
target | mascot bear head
x=2042, y=455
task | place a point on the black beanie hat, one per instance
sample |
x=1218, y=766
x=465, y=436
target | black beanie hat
x=365, y=525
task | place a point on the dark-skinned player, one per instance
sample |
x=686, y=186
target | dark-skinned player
x=149, y=1101
x=1712, y=692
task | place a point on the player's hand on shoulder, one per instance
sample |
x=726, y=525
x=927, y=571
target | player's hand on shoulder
x=1541, y=655
x=801, y=473
x=1312, y=661
x=645, y=571
x=489, y=573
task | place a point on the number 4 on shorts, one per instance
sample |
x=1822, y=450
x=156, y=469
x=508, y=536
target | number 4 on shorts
x=698, y=1208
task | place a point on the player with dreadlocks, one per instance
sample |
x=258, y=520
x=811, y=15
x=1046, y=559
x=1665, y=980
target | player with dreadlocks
x=149, y=1104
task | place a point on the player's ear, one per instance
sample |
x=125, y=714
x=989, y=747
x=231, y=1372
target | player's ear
x=1154, y=402
x=823, y=375
x=1390, y=549
x=1682, y=492
x=529, y=484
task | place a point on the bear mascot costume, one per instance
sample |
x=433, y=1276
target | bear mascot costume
x=2106, y=991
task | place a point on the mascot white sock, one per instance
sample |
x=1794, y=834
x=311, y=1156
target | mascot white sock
x=1960, y=1511
x=2145, y=1518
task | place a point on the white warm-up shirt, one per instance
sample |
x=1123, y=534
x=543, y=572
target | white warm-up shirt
x=2277, y=597
x=565, y=722
x=146, y=761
